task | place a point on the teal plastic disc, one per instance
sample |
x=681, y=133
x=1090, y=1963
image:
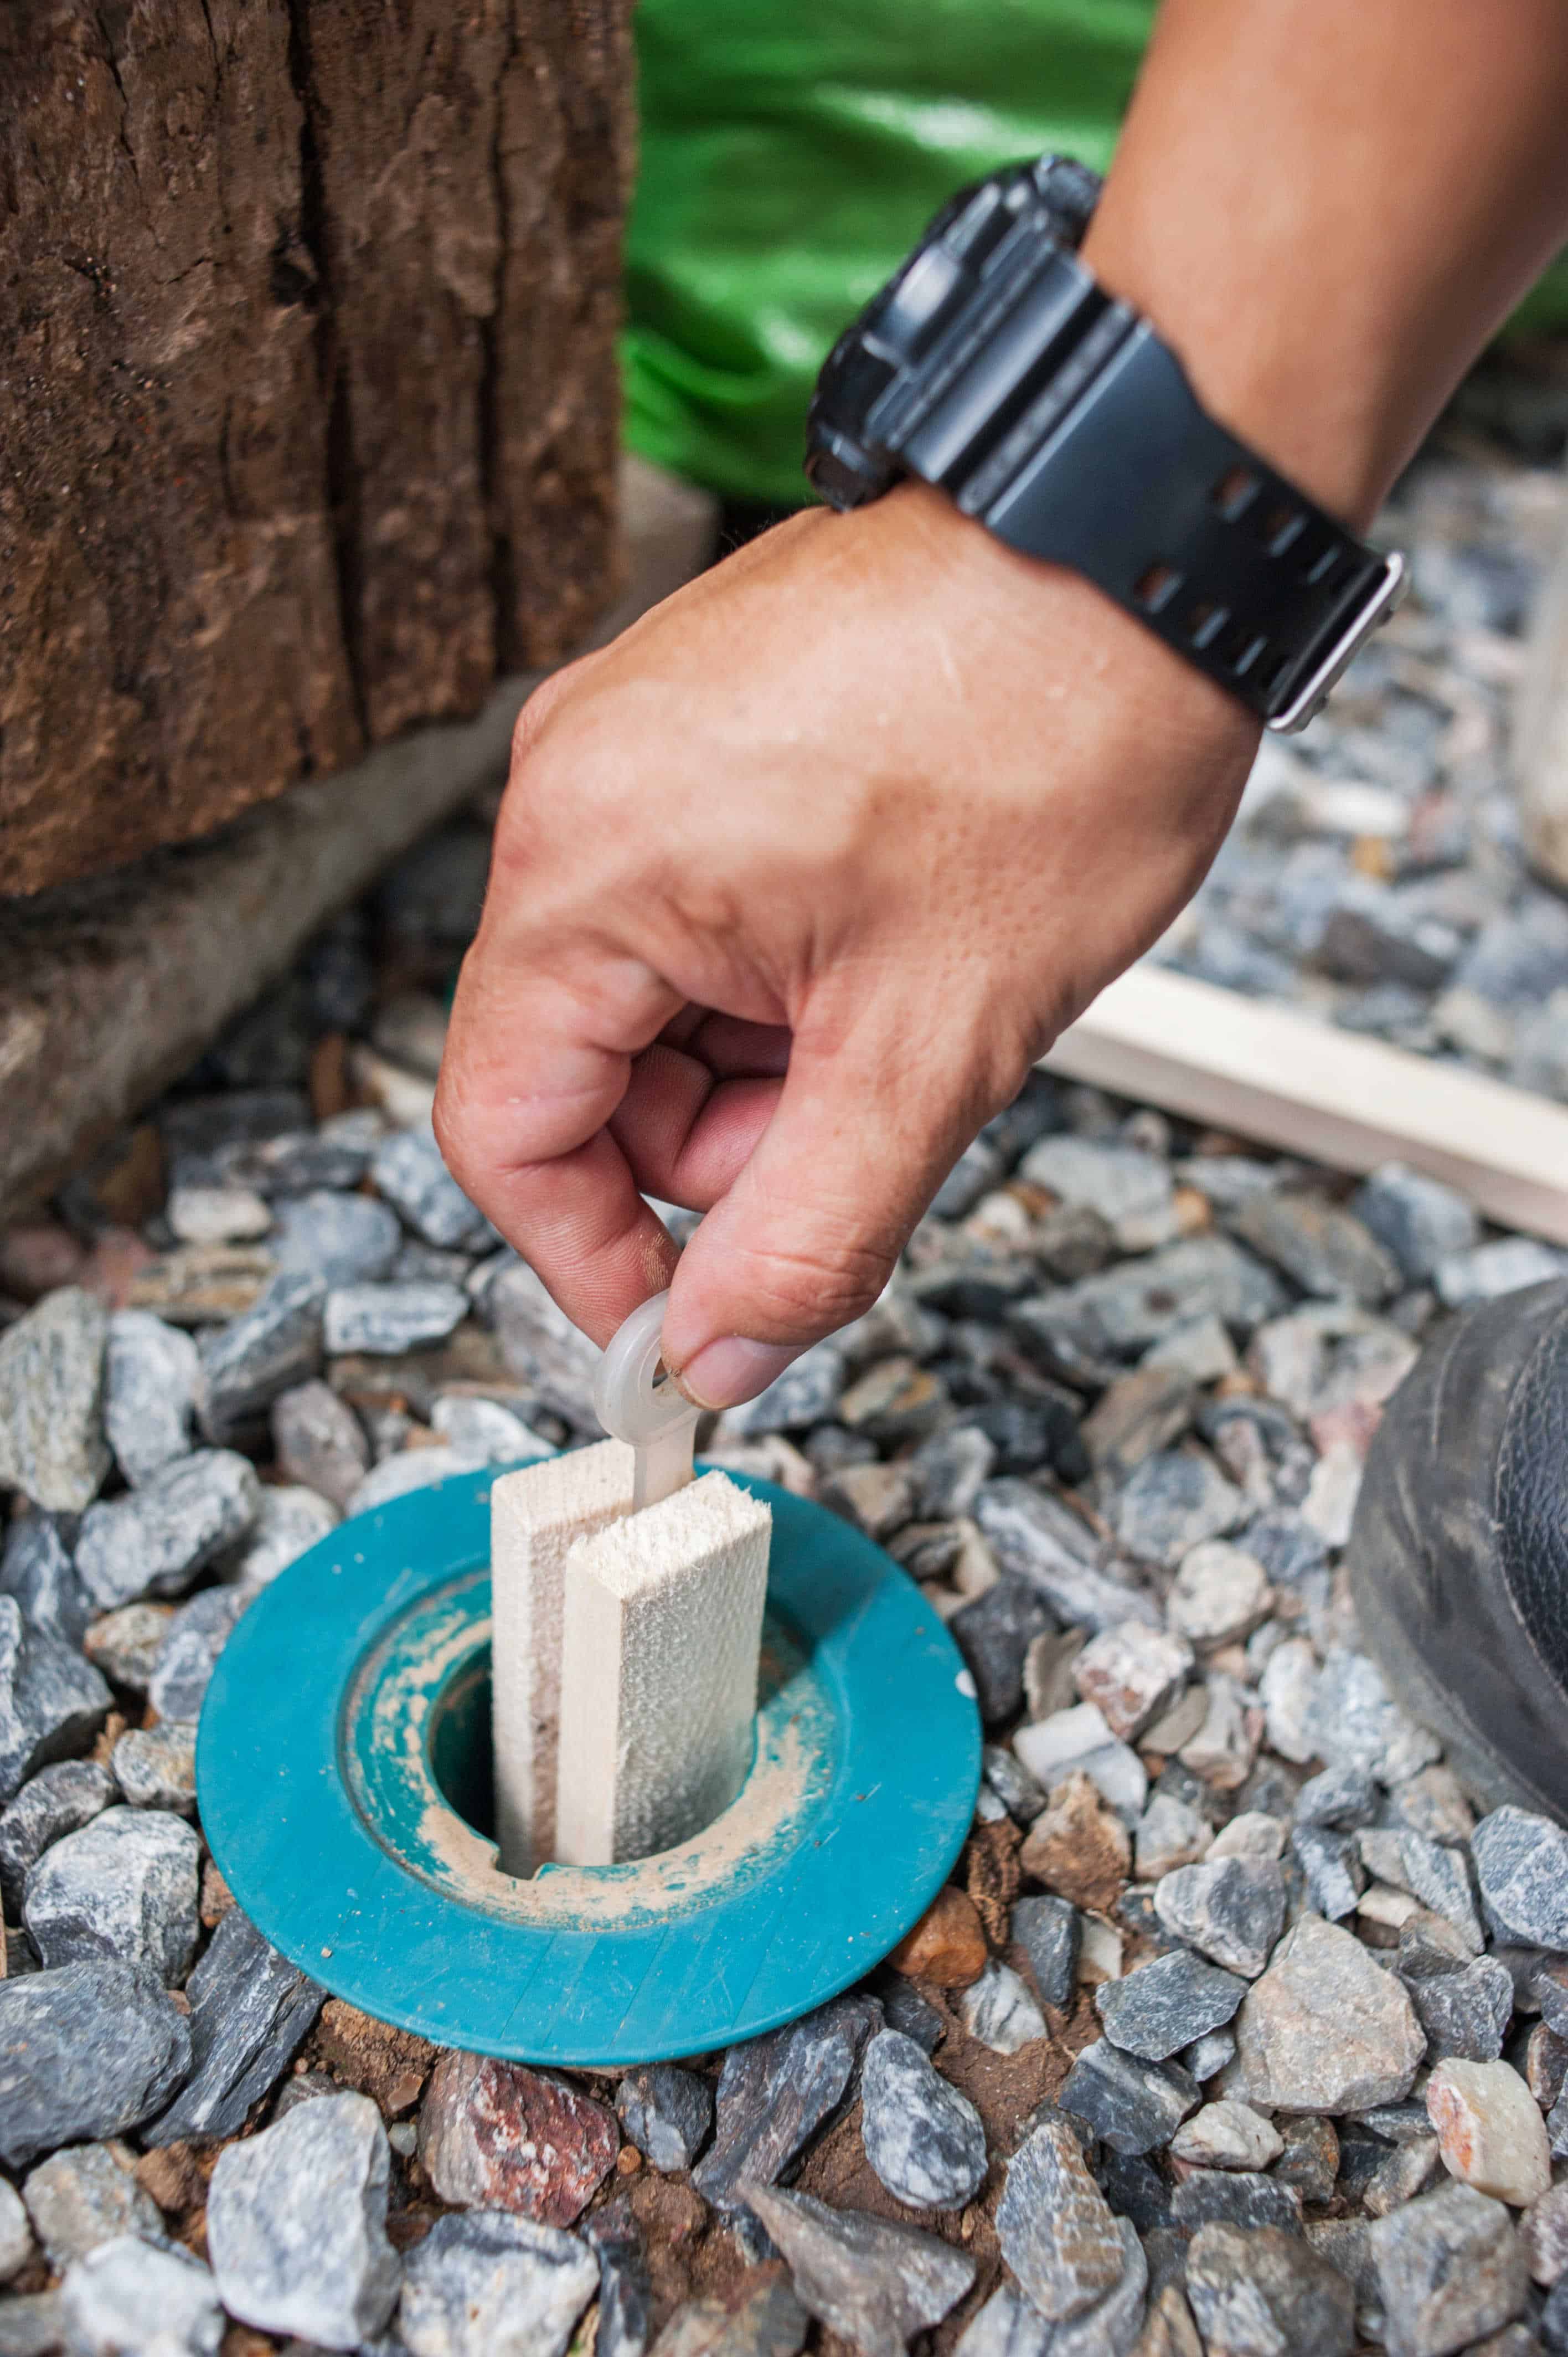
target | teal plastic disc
x=344, y=1776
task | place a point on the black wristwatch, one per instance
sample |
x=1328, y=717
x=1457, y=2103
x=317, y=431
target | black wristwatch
x=994, y=366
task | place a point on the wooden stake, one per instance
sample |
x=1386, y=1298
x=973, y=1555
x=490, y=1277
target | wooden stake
x=1296, y=1083
x=537, y=1514
x=662, y=1630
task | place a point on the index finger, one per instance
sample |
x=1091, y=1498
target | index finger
x=539, y=1055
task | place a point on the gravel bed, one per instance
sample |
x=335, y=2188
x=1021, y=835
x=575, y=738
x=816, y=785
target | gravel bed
x=1234, y=2031
x=1376, y=876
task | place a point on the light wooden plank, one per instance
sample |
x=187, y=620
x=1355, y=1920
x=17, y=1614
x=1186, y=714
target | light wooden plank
x=1293, y=1081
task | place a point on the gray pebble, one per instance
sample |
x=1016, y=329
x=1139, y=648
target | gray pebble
x=1320, y=1974
x=155, y=1540
x=1132, y=2106
x=1049, y=1931
x=296, y=2225
x=337, y=1239
x=1353, y=1722
x=775, y=2092
x=271, y=1348
x=874, y=2283
x=950, y=1469
x=85, y=2196
x=1342, y=1797
x=1521, y=1861
x=191, y=1645
x=483, y=2284
x=319, y=1441
x=289, y=1520
x=998, y=2010
x=1019, y=1792
x=1267, y=2290
x=1450, y=2270
x=386, y=1319
x=1488, y=1271
x=409, y=1173
x=483, y=1427
x=626, y=2287
x=52, y=1446
x=156, y=1766
x=124, y=1886
x=1419, y=1219
x=922, y=2137
x=1326, y=1251
x=16, y=2234
x=1231, y=1911
x=1165, y=2004
x=149, y=1405
x=1142, y=1301
x=54, y=1802
x=87, y=2051
x=1235, y=2197
x=250, y=2008
x=551, y=1359
x=976, y=1171
x=51, y=1701
x=1040, y=1540
x=1331, y=1869
x=806, y=1393
x=1008, y=2326
x=133, y=2295
x=1429, y=1870
x=994, y=1633
x=1466, y=2012
x=1172, y=1502
x=1055, y=2225
x=125, y=1644
x=36, y=1568
x=1207, y=2055
x=667, y=2113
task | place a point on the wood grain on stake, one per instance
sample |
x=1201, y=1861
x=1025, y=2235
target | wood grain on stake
x=536, y=1517
x=1296, y=1083
x=663, y=1626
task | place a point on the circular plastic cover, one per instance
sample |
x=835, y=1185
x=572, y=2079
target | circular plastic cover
x=343, y=1774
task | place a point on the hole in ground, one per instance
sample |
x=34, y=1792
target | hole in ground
x=460, y=1739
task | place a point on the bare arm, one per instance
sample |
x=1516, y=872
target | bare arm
x=786, y=893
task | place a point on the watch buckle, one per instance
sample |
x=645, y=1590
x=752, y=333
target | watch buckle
x=1386, y=592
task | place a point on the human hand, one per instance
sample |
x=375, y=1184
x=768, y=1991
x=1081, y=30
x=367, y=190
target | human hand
x=791, y=884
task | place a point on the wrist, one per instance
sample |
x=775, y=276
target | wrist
x=1310, y=395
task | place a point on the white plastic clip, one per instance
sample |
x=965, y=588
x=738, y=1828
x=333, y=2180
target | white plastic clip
x=637, y=1400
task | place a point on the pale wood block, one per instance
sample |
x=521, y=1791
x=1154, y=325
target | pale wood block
x=663, y=1628
x=537, y=1515
x=1295, y=1082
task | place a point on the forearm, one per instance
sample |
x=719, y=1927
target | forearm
x=1326, y=206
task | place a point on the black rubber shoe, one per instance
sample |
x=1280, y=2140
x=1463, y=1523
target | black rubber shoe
x=1458, y=1558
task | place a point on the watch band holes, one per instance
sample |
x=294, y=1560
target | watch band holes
x=1234, y=492
x=1280, y=526
x=1206, y=622
x=1242, y=649
x=1156, y=585
x=1318, y=563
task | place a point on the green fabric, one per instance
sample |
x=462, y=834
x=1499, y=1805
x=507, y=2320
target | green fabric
x=792, y=150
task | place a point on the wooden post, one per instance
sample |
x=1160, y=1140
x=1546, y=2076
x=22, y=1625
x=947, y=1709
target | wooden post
x=663, y=1631
x=1539, y=747
x=536, y=1517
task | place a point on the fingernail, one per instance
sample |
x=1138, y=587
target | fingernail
x=723, y=1373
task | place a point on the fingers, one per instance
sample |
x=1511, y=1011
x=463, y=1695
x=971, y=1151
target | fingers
x=538, y=1057
x=809, y=1232
x=686, y=1132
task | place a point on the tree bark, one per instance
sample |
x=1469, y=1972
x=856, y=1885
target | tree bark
x=306, y=389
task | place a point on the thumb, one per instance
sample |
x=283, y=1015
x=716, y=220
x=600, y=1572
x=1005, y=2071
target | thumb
x=812, y=1228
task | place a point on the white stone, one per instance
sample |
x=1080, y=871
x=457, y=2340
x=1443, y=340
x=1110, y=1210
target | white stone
x=1490, y=2130
x=1286, y=1689
x=1329, y=1505
x=537, y=1515
x=131, y=2296
x=1080, y=1739
x=1218, y=1594
x=16, y=2234
x=216, y=1215
x=998, y=2010
x=660, y=1638
x=1228, y=2134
